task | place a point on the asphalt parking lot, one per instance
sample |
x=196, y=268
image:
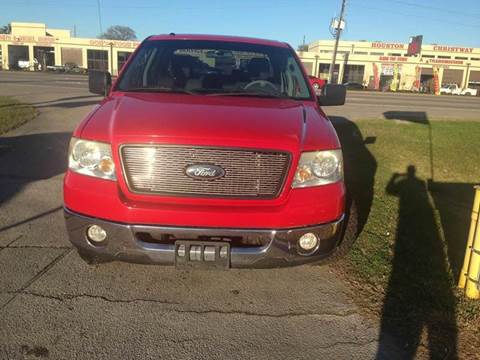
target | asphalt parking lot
x=53, y=305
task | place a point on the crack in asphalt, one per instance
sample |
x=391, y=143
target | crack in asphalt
x=36, y=277
x=11, y=242
x=199, y=312
x=34, y=247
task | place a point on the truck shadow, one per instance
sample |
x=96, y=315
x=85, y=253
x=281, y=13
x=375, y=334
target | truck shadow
x=360, y=166
x=28, y=158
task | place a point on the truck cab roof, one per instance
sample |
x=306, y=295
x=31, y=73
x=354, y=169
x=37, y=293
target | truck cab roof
x=225, y=38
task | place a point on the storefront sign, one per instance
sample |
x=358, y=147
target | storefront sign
x=380, y=45
x=28, y=39
x=116, y=43
x=23, y=38
x=452, y=49
x=45, y=40
x=445, y=61
x=393, y=58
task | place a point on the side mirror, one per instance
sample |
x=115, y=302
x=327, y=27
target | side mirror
x=332, y=95
x=99, y=82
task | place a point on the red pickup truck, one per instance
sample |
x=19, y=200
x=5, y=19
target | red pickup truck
x=208, y=151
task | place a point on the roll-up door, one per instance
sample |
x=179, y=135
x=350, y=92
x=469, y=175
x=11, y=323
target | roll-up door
x=72, y=55
x=427, y=71
x=474, y=76
x=451, y=76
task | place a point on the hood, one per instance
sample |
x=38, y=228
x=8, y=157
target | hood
x=208, y=120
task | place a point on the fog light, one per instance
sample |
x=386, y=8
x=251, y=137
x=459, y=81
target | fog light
x=308, y=241
x=96, y=234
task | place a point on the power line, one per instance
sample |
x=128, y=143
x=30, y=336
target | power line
x=429, y=7
x=416, y=15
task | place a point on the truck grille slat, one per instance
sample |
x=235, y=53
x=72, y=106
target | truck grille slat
x=160, y=169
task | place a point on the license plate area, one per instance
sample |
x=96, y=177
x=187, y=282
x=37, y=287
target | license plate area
x=202, y=254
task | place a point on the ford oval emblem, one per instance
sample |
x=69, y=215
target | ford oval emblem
x=204, y=172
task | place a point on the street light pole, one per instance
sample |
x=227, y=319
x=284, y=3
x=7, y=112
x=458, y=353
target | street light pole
x=337, y=39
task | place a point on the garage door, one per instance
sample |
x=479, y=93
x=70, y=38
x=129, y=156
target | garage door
x=72, y=55
x=97, y=59
x=427, y=71
x=474, y=76
x=451, y=76
x=353, y=73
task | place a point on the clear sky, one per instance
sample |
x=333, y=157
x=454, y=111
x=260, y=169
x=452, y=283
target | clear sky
x=440, y=21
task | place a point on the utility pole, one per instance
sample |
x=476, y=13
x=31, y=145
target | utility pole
x=111, y=57
x=337, y=39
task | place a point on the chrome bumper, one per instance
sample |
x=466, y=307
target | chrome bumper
x=280, y=246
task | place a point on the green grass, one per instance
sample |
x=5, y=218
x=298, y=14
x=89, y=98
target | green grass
x=407, y=259
x=13, y=114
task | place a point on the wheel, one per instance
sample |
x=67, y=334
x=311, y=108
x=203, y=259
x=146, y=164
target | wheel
x=349, y=235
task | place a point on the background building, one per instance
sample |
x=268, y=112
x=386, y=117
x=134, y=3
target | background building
x=37, y=44
x=377, y=64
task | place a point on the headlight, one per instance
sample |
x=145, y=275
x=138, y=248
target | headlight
x=319, y=168
x=91, y=158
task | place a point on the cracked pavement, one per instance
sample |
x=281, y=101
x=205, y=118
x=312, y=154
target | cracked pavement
x=53, y=305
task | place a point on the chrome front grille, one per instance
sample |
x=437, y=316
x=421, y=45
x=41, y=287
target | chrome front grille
x=160, y=169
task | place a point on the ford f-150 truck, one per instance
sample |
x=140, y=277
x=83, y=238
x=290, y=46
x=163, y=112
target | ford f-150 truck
x=208, y=151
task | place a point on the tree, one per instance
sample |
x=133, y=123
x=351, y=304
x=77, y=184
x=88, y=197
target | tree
x=6, y=29
x=118, y=32
x=302, y=47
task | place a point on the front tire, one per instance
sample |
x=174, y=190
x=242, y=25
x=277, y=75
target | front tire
x=349, y=234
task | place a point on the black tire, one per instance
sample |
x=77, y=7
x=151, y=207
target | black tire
x=349, y=234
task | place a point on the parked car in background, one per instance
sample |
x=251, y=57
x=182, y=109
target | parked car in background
x=454, y=89
x=56, y=68
x=73, y=68
x=23, y=64
x=209, y=151
x=354, y=86
x=316, y=82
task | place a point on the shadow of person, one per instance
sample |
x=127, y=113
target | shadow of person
x=419, y=292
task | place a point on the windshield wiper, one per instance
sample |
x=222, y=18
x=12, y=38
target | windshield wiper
x=160, y=90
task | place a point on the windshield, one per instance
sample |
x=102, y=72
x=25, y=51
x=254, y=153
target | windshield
x=215, y=68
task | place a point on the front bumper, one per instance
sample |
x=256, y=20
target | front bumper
x=278, y=247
